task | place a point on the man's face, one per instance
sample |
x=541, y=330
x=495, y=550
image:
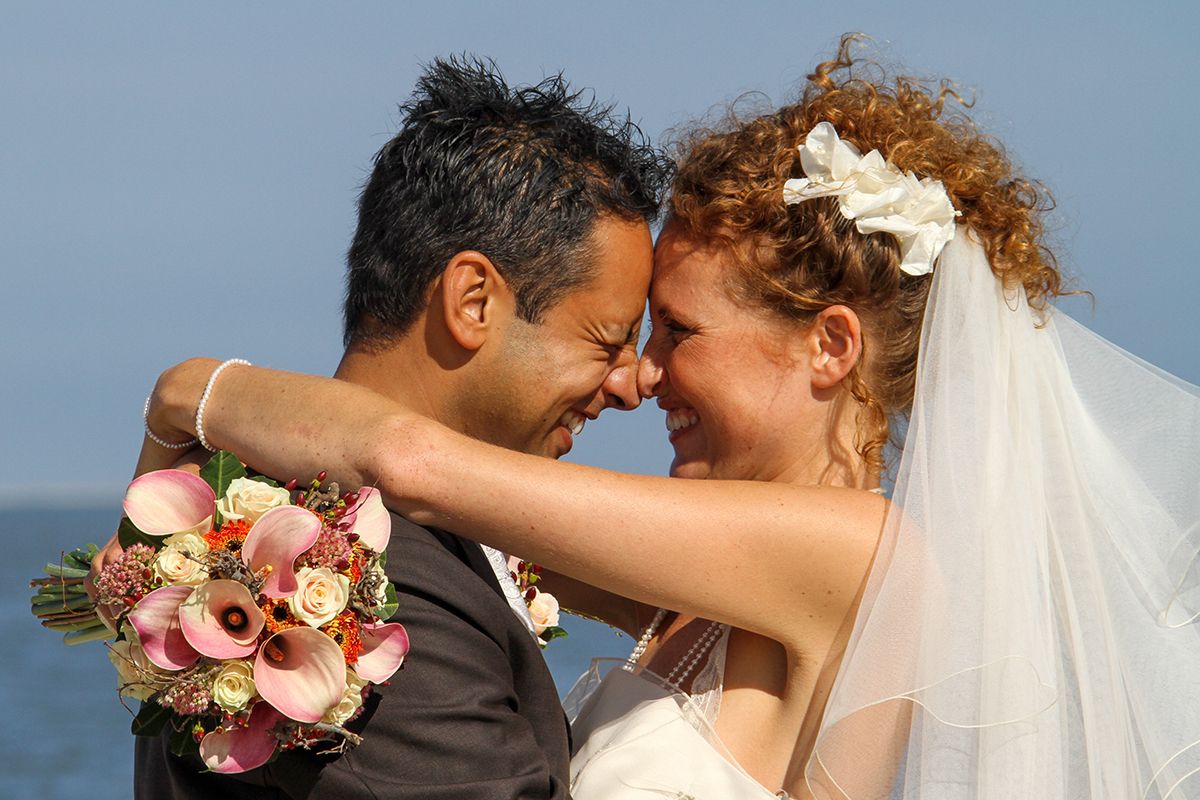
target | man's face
x=580, y=359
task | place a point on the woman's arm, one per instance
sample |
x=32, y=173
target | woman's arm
x=765, y=557
x=287, y=425
x=771, y=558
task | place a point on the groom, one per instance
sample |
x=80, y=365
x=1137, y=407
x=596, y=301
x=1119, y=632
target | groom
x=496, y=283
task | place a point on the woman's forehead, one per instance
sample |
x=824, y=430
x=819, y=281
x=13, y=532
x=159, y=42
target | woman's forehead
x=689, y=275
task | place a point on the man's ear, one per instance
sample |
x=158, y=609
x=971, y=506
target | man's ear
x=475, y=298
x=836, y=345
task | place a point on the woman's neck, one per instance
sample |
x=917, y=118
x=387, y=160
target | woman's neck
x=831, y=458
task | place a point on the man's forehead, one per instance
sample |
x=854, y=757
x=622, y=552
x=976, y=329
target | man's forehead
x=615, y=297
x=616, y=319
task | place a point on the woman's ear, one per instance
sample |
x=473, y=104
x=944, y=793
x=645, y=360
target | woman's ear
x=836, y=338
x=476, y=300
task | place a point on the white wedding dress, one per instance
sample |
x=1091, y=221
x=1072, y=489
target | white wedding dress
x=638, y=736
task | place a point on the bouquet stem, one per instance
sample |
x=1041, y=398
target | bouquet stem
x=61, y=602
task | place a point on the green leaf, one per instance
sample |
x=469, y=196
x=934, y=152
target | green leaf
x=60, y=601
x=264, y=479
x=79, y=621
x=182, y=742
x=128, y=534
x=550, y=634
x=91, y=634
x=63, y=571
x=150, y=720
x=81, y=558
x=48, y=597
x=390, y=603
x=70, y=587
x=221, y=470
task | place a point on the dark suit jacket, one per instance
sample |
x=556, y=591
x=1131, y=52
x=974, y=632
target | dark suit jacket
x=472, y=715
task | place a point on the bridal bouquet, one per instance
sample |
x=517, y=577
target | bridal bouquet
x=248, y=617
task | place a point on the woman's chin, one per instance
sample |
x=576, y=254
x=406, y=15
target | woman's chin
x=689, y=468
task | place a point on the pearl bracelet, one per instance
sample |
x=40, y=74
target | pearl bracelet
x=162, y=442
x=204, y=400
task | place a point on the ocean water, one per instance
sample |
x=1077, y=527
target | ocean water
x=65, y=734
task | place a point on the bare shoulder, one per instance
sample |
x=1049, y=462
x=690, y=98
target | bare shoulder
x=833, y=519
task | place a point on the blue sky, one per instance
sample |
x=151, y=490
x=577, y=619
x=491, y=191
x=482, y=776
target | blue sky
x=180, y=180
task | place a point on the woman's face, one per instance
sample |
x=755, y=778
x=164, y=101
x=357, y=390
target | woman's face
x=733, y=381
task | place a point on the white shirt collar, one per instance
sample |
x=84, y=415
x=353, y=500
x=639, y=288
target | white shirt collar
x=512, y=594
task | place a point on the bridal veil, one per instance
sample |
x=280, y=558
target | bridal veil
x=1028, y=629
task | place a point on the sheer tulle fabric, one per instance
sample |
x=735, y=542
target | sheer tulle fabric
x=1027, y=630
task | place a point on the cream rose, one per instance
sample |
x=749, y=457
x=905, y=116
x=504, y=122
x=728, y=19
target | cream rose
x=176, y=561
x=249, y=499
x=351, y=700
x=234, y=686
x=321, y=596
x=543, y=609
x=137, y=677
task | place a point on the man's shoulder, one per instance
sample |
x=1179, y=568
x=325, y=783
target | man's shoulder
x=411, y=541
x=450, y=570
x=406, y=530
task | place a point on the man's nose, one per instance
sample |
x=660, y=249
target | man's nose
x=621, y=386
x=650, y=382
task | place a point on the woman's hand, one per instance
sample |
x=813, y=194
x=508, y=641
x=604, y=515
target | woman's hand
x=176, y=394
x=283, y=424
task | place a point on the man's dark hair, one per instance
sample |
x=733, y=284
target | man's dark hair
x=520, y=174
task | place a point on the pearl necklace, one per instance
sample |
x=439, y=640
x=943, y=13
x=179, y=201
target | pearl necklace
x=697, y=651
x=690, y=659
x=644, y=640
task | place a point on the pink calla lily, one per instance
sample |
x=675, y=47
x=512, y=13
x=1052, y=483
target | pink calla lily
x=169, y=501
x=237, y=749
x=221, y=620
x=301, y=672
x=276, y=540
x=384, y=647
x=156, y=620
x=370, y=520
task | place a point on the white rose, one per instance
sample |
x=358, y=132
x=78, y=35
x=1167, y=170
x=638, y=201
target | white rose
x=176, y=561
x=321, y=596
x=543, y=609
x=249, y=499
x=354, y=682
x=234, y=686
x=137, y=677
x=351, y=700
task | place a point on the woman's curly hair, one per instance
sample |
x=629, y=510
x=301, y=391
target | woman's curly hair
x=796, y=260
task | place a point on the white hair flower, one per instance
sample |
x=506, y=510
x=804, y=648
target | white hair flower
x=877, y=196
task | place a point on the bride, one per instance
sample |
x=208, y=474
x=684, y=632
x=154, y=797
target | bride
x=1014, y=622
